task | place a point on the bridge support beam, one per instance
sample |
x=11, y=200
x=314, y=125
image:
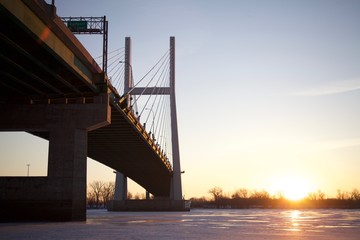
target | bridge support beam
x=67, y=171
x=61, y=196
x=120, y=187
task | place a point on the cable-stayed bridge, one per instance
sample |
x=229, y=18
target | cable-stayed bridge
x=53, y=88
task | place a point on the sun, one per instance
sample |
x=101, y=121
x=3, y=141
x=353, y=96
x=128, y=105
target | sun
x=293, y=187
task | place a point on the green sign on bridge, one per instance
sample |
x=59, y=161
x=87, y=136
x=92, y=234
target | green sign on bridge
x=76, y=26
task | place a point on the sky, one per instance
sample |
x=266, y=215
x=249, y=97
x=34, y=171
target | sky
x=268, y=92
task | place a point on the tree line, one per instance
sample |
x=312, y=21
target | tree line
x=244, y=198
x=100, y=193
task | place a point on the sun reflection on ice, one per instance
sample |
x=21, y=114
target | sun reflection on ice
x=295, y=218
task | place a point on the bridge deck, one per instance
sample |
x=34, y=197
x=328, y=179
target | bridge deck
x=40, y=58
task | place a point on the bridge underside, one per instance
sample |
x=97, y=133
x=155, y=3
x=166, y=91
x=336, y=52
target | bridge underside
x=121, y=147
x=32, y=71
x=50, y=86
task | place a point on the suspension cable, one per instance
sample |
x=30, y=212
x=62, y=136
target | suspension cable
x=156, y=96
x=149, y=84
x=147, y=73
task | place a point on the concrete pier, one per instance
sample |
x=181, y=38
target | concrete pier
x=61, y=196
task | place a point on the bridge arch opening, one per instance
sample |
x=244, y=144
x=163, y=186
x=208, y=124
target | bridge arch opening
x=23, y=154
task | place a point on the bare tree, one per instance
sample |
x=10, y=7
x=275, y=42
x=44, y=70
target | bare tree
x=216, y=192
x=263, y=194
x=355, y=194
x=312, y=196
x=129, y=195
x=108, y=191
x=319, y=195
x=137, y=196
x=342, y=195
x=96, y=188
x=240, y=193
x=90, y=199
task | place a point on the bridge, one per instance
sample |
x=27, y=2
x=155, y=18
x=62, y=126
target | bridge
x=53, y=88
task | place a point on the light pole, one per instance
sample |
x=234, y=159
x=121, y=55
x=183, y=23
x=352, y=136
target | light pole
x=152, y=121
x=28, y=169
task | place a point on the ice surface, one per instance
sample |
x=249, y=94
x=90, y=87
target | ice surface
x=197, y=224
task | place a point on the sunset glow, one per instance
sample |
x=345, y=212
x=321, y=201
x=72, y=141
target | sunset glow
x=293, y=187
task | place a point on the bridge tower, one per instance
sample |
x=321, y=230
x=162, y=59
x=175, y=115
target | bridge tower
x=176, y=181
x=121, y=180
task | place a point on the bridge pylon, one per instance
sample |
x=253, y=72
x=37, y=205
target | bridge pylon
x=176, y=189
x=121, y=179
x=175, y=200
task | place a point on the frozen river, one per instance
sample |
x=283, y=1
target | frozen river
x=197, y=224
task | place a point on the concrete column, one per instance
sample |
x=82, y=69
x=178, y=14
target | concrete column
x=67, y=170
x=120, y=187
x=61, y=196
